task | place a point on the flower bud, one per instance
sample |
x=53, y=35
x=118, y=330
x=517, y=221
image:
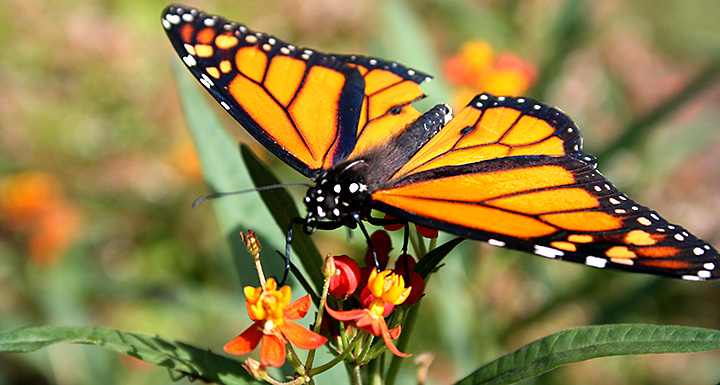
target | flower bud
x=251, y=242
x=345, y=280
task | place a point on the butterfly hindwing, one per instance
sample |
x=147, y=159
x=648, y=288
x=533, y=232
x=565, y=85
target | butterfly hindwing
x=310, y=109
x=535, y=192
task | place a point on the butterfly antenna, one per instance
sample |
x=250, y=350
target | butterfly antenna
x=202, y=199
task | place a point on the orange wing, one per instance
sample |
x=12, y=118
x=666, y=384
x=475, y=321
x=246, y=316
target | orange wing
x=510, y=171
x=310, y=109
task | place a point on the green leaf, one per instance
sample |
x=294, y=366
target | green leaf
x=429, y=262
x=224, y=171
x=575, y=345
x=283, y=210
x=189, y=360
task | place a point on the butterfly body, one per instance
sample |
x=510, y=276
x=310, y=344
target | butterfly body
x=506, y=170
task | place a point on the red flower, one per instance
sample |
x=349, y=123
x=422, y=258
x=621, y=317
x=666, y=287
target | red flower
x=272, y=312
x=384, y=290
x=404, y=267
x=426, y=232
x=347, y=276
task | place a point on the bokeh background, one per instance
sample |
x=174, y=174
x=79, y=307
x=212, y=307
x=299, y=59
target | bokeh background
x=97, y=173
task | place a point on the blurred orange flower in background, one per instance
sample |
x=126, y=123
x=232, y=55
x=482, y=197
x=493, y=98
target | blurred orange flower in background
x=478, y=68
x=33, y=207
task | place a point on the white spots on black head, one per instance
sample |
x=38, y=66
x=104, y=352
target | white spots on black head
x=679, y=237
x=353, y=188
x=592, y=261
x=189, y=60
x=336, y=212
x=337, y=188
x=225, y=106
x=320, y=212
x=496, y=242
x=320, y=199
x=307, y=199
x=547, y=252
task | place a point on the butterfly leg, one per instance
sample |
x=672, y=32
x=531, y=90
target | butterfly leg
x=359, y=222
x=309, y=227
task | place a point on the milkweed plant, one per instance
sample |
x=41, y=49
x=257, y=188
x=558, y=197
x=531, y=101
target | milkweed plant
x=337, y=312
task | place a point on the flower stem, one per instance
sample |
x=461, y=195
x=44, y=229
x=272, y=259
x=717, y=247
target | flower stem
x=336, y=360
x=408, y=326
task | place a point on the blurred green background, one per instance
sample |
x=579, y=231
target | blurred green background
x=97, y=173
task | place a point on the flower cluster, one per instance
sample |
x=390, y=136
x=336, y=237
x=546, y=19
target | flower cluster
x=363, y=300
x=34, y=207
x=478, y=68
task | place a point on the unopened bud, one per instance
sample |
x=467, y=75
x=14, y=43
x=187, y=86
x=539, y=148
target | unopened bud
x=251, y=242
x=328, y=267
x=255, y=369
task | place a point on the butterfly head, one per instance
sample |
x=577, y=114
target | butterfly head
x=338, y=193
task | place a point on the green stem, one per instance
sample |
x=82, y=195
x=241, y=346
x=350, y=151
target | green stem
x=336, y=360
x=356, y=375
x=403, y=340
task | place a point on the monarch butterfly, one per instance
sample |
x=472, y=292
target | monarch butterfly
x=506, y=170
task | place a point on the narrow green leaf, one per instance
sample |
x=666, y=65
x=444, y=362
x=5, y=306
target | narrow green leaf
x=638, y=130
x=432, y=259
x=189, y=360
x=283, y=210
x=575, y=345
x=224, y=171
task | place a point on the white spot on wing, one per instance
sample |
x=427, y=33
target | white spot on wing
x=595, y=262
x=495, y=242
x=189, y=61
x=547, y=252
x=691, y=278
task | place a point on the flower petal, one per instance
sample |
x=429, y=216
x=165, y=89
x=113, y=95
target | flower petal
x=245, y=342
x=340, y=315
x=298, y=308
x=301, y=337
x=387, y=338
x=272, y=351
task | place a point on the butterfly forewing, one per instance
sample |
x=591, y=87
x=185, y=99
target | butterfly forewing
x=310, y=109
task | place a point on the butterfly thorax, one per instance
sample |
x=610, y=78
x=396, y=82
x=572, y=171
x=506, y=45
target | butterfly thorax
x=339, y=193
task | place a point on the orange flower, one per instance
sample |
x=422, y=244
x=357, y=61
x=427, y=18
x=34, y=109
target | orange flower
x=33, y=204
x=384, y=290
x=272, y=312
x=478, y=68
